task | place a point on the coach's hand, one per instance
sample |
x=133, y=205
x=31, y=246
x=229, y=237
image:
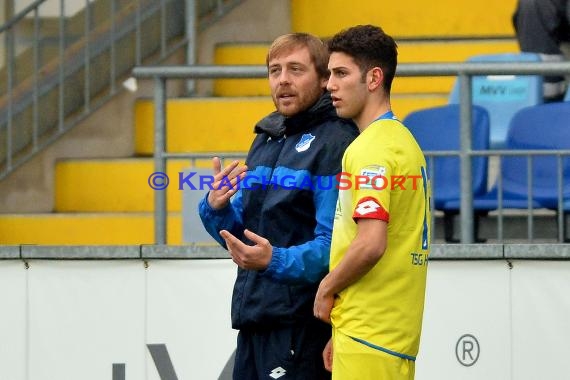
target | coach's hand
x=255, y=257
x=225, y=183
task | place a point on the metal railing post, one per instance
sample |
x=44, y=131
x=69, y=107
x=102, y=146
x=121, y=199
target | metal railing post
x=35, y=78
x=466, y=210
x=10, y=52
x=159, y=159
x=530, y=200
x=87, y=59
x=163, y=21
x=113, y=50
x=61, y=69
x=138, y=29
x=560, y=210
x=191, y=38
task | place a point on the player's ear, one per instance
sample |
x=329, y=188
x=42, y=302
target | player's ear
x=375, y=78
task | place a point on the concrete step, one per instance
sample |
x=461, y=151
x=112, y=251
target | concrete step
x=119, y=185
x=226, y=124
x=85, y=229
x=116, y=185
x=409, y=18
x=202, y=124
x=421, y=51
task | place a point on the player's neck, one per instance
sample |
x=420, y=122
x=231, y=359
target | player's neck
x=372, y=112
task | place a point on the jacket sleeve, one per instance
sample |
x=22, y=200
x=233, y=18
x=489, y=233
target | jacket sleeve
x=228, y=218
x=308, y=262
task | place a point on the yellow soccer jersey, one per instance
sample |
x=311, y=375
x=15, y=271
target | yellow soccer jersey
x=384, y=177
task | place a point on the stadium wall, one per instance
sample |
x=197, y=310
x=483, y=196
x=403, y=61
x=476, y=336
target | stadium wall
x=162, y=312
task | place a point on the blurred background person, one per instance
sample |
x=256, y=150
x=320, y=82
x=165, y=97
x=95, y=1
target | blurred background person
x=543, y=26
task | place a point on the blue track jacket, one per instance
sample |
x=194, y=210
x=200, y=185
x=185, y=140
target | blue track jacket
x=289, y=197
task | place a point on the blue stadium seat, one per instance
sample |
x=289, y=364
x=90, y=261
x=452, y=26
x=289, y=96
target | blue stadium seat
x=438, y=129
x=541, y=127
x=503, y=95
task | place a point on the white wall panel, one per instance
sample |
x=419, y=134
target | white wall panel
x=12, y=320
x=74, y=319
x=541, y=320
x=189, y=311
x=465, y=299
x=85, y=316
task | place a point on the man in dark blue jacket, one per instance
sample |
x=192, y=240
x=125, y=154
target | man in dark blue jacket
x=275, y=216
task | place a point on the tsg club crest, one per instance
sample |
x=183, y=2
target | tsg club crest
x=305, y=142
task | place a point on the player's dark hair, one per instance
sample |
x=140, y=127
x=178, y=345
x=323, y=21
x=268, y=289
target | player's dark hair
x=370, y=47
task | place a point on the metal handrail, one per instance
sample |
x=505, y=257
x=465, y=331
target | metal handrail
x=464, y=71
x=404, y=70
x=199, y=14
x=23, y=13
x=25, y=94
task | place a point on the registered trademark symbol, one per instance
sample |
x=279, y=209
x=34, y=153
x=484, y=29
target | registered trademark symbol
x=467, y=350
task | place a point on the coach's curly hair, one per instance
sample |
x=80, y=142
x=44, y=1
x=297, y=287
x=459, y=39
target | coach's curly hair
x=370, y=47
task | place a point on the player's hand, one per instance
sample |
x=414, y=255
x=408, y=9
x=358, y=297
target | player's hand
x=324, y=303
x=254, y=257
x=225, y=183
x=328, y=356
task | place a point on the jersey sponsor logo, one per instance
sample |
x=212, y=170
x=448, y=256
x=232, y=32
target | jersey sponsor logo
x=376, y=175
x=278, y=372
x=370, y=208
x=304, y=142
